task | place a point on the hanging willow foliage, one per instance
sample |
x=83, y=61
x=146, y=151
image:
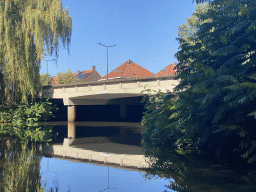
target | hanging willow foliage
x=29, y=29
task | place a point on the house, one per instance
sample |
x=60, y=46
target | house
x=55, y=81
x=128, y=69
x=85, y=76
x=88, y=75
x=167, y=70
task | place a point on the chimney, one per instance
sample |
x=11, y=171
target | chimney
x=129, y=61
x=93, y=68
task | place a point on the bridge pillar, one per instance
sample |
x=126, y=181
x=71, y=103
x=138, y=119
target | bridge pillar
x=71, y=126
x=123, y=110
x=71, y=130
x=72, y=113
x=71, y=134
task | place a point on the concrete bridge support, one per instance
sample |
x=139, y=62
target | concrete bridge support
x=71, y=113
x=71, y=134
x=71, y=126
x=71, y=130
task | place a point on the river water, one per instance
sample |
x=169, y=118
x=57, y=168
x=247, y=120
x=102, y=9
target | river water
x=93, y=170
x=107, y=156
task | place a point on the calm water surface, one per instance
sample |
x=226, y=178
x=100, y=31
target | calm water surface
x=79, y=172
x=80, y=175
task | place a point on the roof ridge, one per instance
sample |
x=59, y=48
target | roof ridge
x=123, y=68
x=126, y=70
x=169, y=68
x=88, y=75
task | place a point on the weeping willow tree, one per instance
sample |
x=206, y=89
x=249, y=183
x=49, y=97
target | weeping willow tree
x=29, y=30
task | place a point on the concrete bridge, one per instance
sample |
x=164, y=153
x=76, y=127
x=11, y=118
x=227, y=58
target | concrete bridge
x=122, y=92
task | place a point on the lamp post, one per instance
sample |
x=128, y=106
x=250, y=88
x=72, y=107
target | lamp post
x=108, y=183
x=47, y=68
x=107, y=55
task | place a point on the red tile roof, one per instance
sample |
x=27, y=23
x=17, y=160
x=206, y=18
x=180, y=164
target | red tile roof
x=54, y=78
x=128, y=69
x=74, y=75
x=87, y=71
x=168, y=70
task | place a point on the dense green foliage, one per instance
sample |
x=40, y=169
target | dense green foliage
x=23, y=121
x=193, y=173
x=6, y=113
x=187, y=32
x=29, y=30
x=43, y=79
x=214, y=108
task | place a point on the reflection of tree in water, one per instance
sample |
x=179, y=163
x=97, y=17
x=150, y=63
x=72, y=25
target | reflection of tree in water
x=192, y=172
x=19, y=163
x=20, y=166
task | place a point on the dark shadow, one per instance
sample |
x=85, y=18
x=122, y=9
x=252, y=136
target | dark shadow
x=124, y=135
x=98, y=113
x=111, y=113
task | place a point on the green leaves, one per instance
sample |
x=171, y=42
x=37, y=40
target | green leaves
x=29, y=30
x=24, y=121
x=66, y=77
x=229, y=78
x=252, y=114
x=216, y=96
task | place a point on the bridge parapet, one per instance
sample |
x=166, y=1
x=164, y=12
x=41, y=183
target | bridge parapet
x=114, y=86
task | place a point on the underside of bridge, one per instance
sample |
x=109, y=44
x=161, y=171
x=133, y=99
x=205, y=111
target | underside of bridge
x=125, y=109
x=109, y=113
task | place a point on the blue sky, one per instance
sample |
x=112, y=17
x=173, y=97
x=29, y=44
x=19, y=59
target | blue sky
x=143, y=31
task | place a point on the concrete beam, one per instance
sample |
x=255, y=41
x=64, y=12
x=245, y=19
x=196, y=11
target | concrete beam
x=117, y=101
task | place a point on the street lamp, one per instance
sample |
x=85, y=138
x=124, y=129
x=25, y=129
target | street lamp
x=108, y=183
x=107, y=55
x=47, y=68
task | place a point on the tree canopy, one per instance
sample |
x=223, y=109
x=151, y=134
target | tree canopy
x=214, y=106
x=29, y=30
x=44, y=78
x=66, y=77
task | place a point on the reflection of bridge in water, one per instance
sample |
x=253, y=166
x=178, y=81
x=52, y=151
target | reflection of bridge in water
x=121, y=148
x=116, y=92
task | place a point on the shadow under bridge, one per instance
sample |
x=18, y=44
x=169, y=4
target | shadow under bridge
x=105, y=107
